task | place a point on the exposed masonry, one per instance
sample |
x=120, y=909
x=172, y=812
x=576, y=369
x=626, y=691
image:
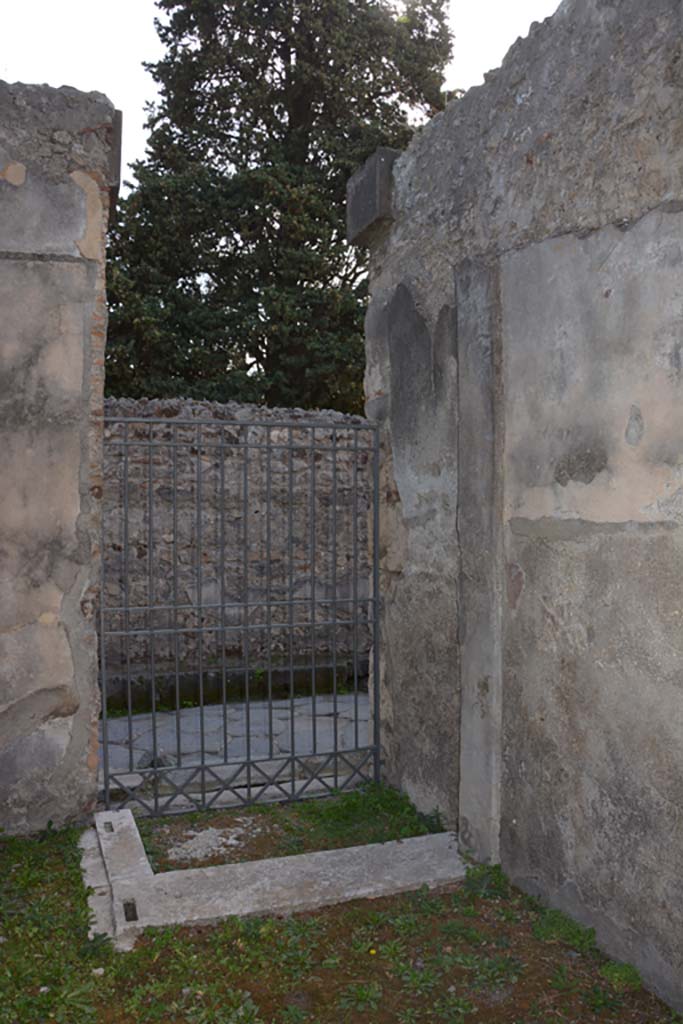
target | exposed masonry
x=170, y=567
x=57, y=165
x=524, y=354
x=127, y=897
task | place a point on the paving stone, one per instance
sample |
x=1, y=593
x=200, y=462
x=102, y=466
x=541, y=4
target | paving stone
x=234, y=717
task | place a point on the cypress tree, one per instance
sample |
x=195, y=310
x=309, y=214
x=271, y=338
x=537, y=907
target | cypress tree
x=230, y=276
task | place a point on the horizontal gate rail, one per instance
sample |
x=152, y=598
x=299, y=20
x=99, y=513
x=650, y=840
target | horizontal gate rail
x=238, y=611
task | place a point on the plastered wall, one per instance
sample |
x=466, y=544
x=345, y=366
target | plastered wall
x=524, y=356
x=57, y=163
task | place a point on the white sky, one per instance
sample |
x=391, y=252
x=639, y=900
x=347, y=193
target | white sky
x=100, y=45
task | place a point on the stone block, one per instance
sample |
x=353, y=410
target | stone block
x=280, y=885
x=368, y=196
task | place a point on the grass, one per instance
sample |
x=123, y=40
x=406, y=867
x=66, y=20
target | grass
x=481, y=954
x=373, y=814
x=553, y=924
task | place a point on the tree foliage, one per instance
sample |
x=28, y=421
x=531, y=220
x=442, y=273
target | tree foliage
x=230, y=276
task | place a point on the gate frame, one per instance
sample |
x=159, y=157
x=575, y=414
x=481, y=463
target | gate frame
x=315, y=783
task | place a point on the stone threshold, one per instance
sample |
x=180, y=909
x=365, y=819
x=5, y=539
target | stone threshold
x=126, y=896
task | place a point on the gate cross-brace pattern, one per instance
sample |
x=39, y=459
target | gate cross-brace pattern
x=239, y=611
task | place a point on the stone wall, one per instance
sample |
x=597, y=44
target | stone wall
x=57, y=163
x=243, y=515
x=524, y=353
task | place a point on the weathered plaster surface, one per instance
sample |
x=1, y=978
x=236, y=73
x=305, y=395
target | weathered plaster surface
x=593, y=724
x=480, y=537
x=593, y=693
x=415, y=400
x=54, y=161
x=543, y=210
x=594, y=324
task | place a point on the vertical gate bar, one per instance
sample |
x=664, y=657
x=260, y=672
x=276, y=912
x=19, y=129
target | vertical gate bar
x=245, y=613
x=224, y=694
x=290, y=599
x=354, y=585
x=150, y=611
x=334, y=605
x=312, y=553
x=103, y=660
x=174, y=557
x=375, y=604
x=269, y=542
x=200, y=617
x=152, y=629
x=126, y=599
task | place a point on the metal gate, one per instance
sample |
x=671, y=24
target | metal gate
x=238, y=611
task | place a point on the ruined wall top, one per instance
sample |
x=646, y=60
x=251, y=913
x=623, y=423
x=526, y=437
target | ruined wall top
x=509, y=163
x=198, y=409
x=58, y=131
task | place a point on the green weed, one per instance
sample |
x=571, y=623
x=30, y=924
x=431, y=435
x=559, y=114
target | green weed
x=394, y=951
x=562, y=981
x=360, y=996
x=487, y=881
x=407, y=924
x=484, y=971
x=294, y=1015
x=409, y=1015
x=553, y=925
x=599, y=998
x=452, y=1009
x=622, y=977
x=419, y=980
x=458, y=931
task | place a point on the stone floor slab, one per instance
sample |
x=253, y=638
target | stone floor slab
x=130, y=745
